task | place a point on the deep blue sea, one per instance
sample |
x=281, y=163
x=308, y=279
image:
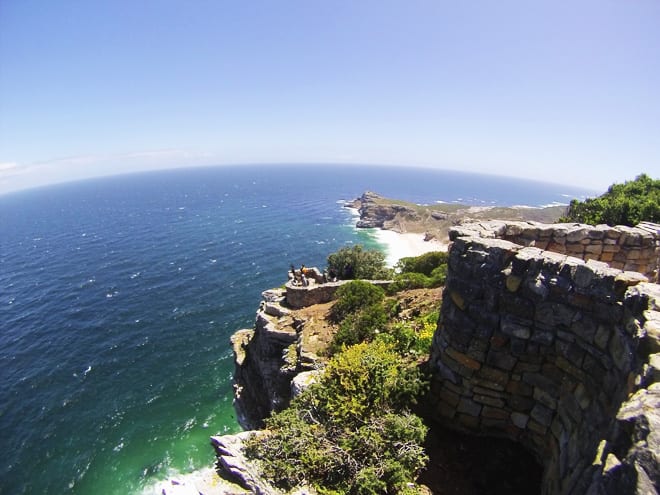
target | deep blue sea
x=118, y=297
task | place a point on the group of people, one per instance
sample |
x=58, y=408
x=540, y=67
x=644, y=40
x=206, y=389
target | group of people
x=302, y=276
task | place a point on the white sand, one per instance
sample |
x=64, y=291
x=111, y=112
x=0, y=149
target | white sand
x=405, y=245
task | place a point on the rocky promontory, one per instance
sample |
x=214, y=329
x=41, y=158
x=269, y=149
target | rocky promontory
x=435, y=220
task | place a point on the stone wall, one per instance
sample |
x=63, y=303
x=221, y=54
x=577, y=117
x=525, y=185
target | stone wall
x=625, y=248
x=299, y=296
x=558, y=353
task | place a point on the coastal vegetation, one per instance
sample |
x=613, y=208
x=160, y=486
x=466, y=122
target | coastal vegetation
x=623, y=204
x=363, y=313
x=354, y=296
x=425, y=271
x=355, y=431
x=358, y=263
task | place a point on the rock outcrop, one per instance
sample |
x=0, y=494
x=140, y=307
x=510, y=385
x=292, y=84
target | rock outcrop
x=282, y=345
x=375, y=214
x=266, y=360
x=231, y=461
x=436, y=219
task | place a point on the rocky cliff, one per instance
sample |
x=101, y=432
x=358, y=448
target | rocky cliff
x=266, y=360
x=436, y=220
x=559, y=353
x=274, y=359
x=377, y=213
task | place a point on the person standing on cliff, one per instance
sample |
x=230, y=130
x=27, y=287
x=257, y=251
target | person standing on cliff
x=302, y=275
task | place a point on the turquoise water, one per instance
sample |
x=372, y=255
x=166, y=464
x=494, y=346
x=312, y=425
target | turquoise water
x=118, y=298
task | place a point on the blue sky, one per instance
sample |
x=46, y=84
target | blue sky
x=562, y=91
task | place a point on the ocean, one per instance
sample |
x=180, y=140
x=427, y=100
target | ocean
x=118, y=297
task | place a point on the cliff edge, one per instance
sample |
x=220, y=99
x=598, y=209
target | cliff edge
x=435, y=220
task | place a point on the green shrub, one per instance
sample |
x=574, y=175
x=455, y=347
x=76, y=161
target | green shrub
x=407, y=281
x=419, y=272
x=353, y=296
x=412, y=337
x=424, y=263
x=369, y=377
x=623, y=204
x=357, y=263
x=360, y=326
x=439, y=275
x=294, y=450
x=401, y=336
x=352, y=432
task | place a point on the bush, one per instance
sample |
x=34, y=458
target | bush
x=439, y=275
x=424, y=263
x=412, y=337
x=296, y=451
x=352, y=432
x=420, y=272
x=357, y=263
x=623, y=204
x=361, y=326
x=408, y=281
x=369, y=377
x=353, y=296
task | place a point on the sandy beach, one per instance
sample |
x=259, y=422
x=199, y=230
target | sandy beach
x=404, y=245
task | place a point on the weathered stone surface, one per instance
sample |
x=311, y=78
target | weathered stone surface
x=299, y=296
x=273, y=295
x=639, y=246
x=640, y=418
x=468, y=407
x=302, y=381
x=562, y=349
x=519, y=419
x=275, y=309
x=232, y=464
x=266, y=360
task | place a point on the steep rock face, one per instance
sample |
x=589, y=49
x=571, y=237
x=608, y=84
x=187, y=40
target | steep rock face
x=633, y=466
x=231, y=461
x=268, y=358
x=265, y=363
x=376, y=215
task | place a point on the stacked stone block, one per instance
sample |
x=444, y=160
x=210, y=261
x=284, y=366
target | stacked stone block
x=624, y=248
x=546, y=348
x=299, y=296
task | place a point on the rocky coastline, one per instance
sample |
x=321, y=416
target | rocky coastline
x=434, y=221
x=282, y=353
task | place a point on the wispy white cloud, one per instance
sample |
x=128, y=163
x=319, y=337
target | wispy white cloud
x=15, y=176
x=119, y=158
x=165, y=154
x=8, y=166
x=11, y=169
